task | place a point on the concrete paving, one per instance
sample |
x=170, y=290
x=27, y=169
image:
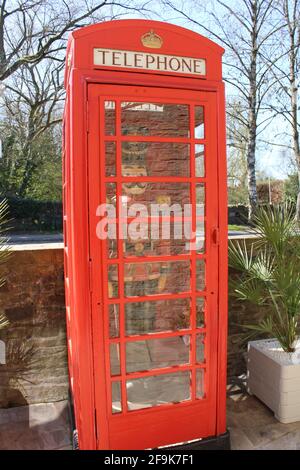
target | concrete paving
x=33, y=238
x=43, y=426
x=46, y=426
x=252, y=425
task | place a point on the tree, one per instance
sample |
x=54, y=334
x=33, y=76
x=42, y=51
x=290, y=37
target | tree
x=247, y=30
x=291, y=189
x=237, y=137
x=33, y=37
x=4, y=250
x=31, y=30
x=32, y=107
x=287, y=77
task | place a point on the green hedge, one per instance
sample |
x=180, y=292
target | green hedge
x=29, y=215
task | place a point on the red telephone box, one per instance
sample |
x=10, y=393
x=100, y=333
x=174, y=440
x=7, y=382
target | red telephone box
x=144, y=128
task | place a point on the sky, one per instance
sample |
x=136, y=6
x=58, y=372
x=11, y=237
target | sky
x=269, y=158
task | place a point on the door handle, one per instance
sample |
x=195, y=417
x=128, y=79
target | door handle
x=216, y=235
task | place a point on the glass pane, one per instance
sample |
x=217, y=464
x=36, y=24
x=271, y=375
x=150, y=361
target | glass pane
x=200, y=310
x=156, y=353
x=157, y=316
x=112, y=248
x=200, y=274
x=156, y=193
x=116, y=397
x=110, y=159
x=159, y=247
x=155, y=119
x=200, y=235
x=199, y=156
x=158, y=390
x=142, y=279
x=200, y=199
x=111, y=226
x=113, y=281
x=200, y=383
x=110, y=117
x=114, y=318
x=199, y=122
x=115, y=359
x=200, y=356
x=111, y=196
x=155, y=159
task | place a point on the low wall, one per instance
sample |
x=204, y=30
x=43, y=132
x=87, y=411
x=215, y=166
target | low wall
x=33, y=300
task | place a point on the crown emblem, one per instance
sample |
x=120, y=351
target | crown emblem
x=152, y=40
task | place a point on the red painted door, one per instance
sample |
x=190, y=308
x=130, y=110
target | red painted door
x=154, y=293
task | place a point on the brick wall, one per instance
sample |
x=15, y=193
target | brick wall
x=33, y=300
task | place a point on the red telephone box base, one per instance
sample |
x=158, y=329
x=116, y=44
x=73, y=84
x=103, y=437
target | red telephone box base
x=221, y=442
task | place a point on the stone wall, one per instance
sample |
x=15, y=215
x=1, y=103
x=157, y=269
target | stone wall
x=33, y=300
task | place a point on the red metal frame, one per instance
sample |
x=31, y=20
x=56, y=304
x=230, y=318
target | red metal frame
x=86, y=263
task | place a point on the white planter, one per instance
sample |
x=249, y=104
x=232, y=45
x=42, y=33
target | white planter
x=274, y=377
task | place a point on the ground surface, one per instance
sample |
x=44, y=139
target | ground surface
x=252, y=426
x=56, y=238
x=43, y=426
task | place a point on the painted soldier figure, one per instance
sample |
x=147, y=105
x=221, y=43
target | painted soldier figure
x=140, y=279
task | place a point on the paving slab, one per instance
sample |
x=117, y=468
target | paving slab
x=253, y=426
x=43, y=426
x=46, y=426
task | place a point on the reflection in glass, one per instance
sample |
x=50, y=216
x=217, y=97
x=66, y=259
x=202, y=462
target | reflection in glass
x=155, y=159
x=200, y=274
x=157, y=316
x=157, y=353
x=115, y=359
x=156, y=193
x=113, y=281
x=111, y=194
x=200, y=310
x=110, y=159
x=116, y=397
x=112, y=248
x=158, y=390
x=158, y=247
x=110, y=117
x=200, y=199
x=111, y=241
x=199, y=156
x=163, y=120
x=199, y=122
x=141, y=279
x=114, y=318
x=200, y=356
x=200, y=392
x=200, y=235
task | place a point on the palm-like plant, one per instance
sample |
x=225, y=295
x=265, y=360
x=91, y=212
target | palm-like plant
x=4, y=249
x=270, y=274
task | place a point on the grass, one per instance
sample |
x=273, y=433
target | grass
x=239, y=228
